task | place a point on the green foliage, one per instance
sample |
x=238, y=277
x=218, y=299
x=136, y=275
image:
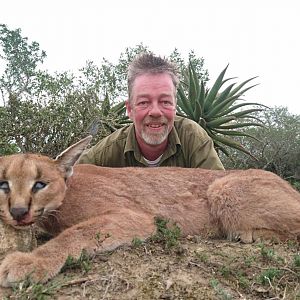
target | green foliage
x=166, y=233
x=219, y=112
x=45, y=112
x=221, y=292
x=203, y=257
x=197, y=62
x=83, y=262
x=136, y=242
x=110, y=79
x=278, y=148
x=249, y=260
x=297, y=260
x=21, y=59
x=29, y=290
x=29, y=126
x=243, y=282
x=225, y=271
x=269, y=275
x=267, y=254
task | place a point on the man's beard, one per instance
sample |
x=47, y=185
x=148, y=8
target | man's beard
x=156, y=138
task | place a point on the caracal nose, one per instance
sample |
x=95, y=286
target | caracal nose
x=18, y=213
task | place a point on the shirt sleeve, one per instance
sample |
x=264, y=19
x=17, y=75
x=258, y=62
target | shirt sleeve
x=199, y=147
x=205, y=156
x=87, y=157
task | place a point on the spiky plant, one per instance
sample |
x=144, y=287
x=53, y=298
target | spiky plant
x=221, y=113
x=111, y=118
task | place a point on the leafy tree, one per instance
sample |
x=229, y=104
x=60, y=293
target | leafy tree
x=197, y=62
x=277, y=148
x=21, y=59
x=111, y=78
x=29, y=126
x=40, y=107
x=220, y=113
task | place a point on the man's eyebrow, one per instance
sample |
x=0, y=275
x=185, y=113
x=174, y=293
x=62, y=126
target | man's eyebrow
x=166, y=94
x=143, y=95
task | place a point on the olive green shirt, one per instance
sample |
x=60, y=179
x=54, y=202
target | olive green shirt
x=188, y=146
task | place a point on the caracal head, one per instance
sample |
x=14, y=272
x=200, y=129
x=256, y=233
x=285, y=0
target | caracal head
x=32, y=185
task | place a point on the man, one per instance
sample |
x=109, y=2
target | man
x=157, y=137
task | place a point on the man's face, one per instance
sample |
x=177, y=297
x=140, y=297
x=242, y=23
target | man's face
x=152, y=108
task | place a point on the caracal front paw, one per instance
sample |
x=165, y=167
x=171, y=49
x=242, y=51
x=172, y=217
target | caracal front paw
x=18, y=266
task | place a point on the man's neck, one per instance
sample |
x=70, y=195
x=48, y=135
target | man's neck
x=152, y=152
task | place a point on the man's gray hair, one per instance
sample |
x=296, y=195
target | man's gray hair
x=148, y=63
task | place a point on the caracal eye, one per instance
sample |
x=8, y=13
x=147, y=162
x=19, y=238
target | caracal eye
x=38, y=186
x=4, y=186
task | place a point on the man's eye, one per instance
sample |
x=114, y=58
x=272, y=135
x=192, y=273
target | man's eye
x=38, y=186
x=142, y=103
x=167, y=103
x=4, y=186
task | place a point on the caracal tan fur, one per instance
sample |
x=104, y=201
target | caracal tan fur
x=102, y=208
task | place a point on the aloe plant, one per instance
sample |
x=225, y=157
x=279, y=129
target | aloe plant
x=111, y=118
x=221, y=113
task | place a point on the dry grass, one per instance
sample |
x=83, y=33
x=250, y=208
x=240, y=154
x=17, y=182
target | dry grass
x=193, y=269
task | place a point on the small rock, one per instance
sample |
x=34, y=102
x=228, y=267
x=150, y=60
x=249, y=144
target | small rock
x=12, y=239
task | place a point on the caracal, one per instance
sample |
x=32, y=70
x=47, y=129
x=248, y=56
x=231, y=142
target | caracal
x=98, y=209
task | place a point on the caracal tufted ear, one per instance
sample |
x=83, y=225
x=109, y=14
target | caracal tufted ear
x=68, y=158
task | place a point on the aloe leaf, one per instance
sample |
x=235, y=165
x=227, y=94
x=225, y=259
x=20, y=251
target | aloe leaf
x=119, y=108
x=238, y=125
x=234, y=91
x=183, y=102
x=192, y=94
x=231, y=143
x=214, y=90
x=105, y=106
x=220, y=121
x=197, y=112
x=220, y=107
x=231, y=109
x=221, y=148
x=245, y=113
x=257, y=119
x=246, y=89
x=236, y=133
x=224, y=94
x=201, y=97
x=180, y=114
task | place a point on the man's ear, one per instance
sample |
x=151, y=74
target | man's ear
x=128, y=109
x=67, y=159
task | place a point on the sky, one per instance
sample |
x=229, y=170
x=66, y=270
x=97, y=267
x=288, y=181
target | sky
x=256, y=38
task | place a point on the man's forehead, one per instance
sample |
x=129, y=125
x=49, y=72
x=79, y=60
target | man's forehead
x=162, y=78
x=149, y=83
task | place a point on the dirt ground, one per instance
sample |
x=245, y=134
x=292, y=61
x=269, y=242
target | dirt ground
x=192, y=269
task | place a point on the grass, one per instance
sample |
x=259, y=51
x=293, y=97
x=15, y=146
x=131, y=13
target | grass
x=269, y=275
x=38, y=291
x=136, y=242
x=267, y=253
x=219, y=289
x=296, y=261
x=166, y=233
x=227, y=270
x=84, y=263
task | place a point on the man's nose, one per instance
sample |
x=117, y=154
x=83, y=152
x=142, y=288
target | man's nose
x=155, y=110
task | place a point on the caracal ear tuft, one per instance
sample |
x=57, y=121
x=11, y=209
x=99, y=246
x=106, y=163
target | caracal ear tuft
x=68, y=158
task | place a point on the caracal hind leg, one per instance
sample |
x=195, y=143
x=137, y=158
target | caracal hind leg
x=255, y=204
x=95, y=235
